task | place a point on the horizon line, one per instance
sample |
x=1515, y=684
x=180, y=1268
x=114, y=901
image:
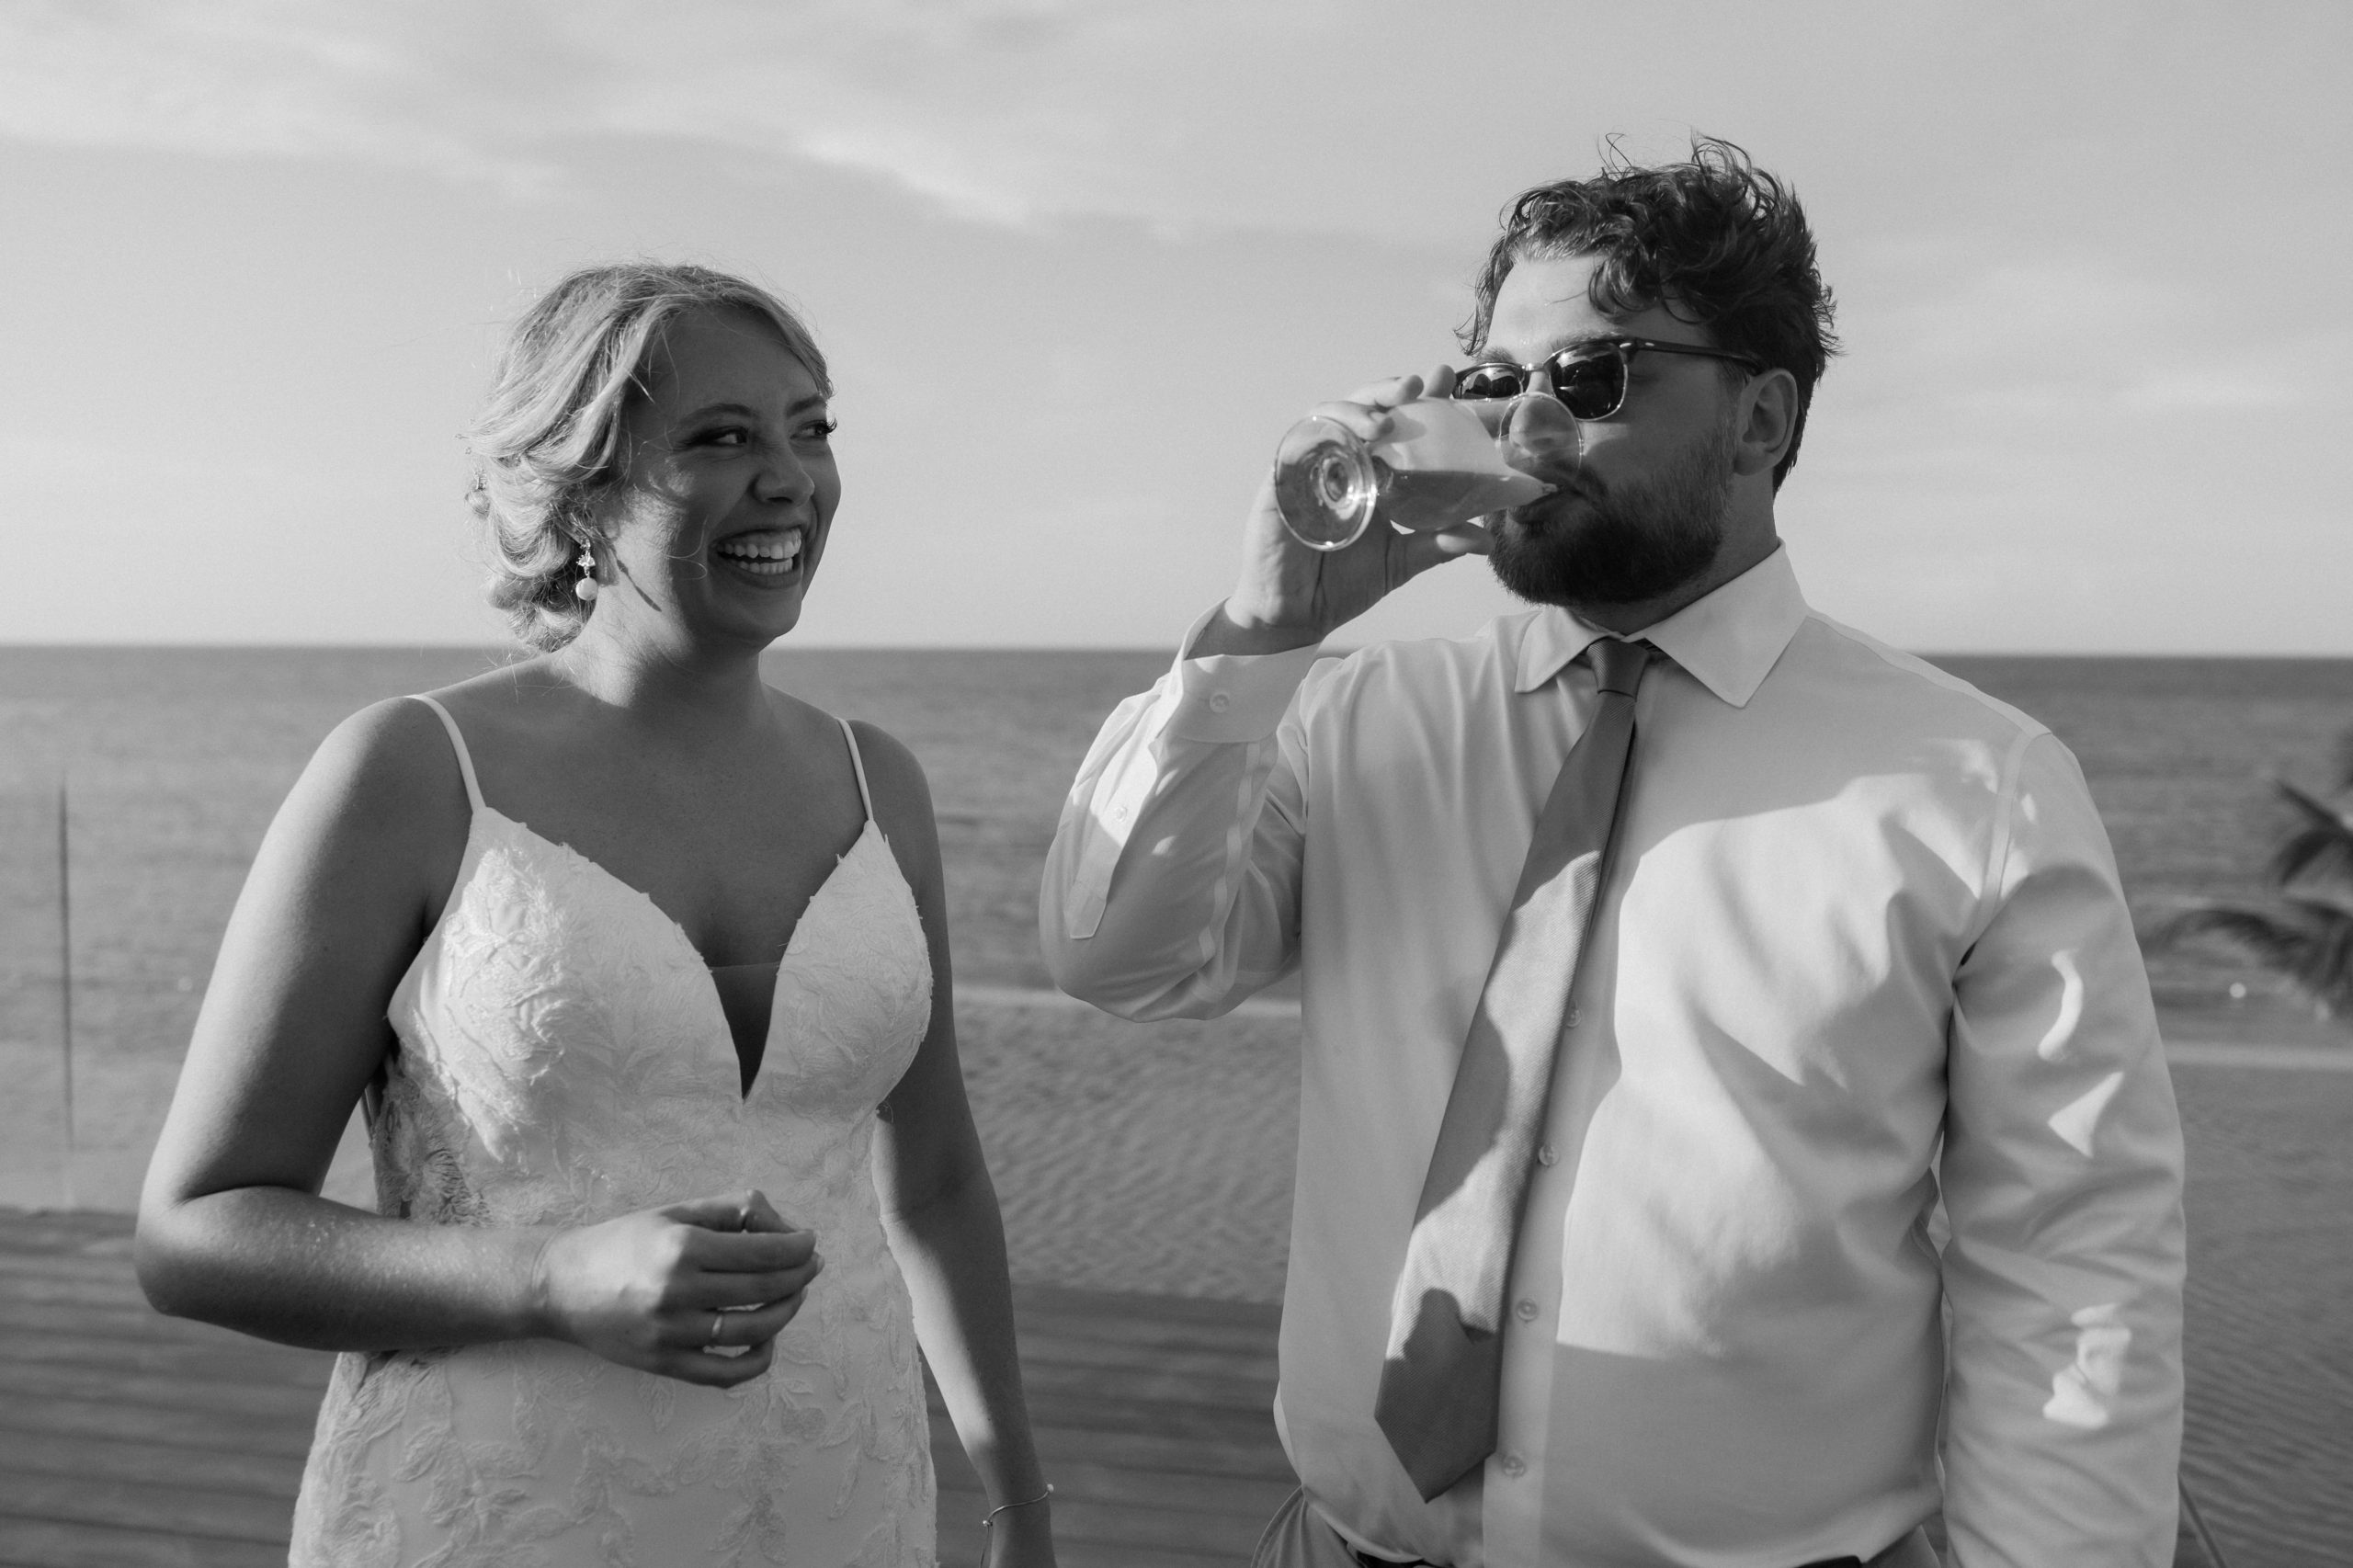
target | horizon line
x=1337, y=647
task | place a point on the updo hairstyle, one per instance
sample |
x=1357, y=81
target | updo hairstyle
x=548, y=441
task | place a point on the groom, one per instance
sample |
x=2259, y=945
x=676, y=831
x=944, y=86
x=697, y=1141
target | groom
x=1672, y=954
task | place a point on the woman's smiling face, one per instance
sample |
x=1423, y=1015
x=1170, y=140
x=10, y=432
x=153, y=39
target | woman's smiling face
x=728, y=484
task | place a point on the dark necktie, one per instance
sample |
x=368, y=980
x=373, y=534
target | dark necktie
x=1440, y=1384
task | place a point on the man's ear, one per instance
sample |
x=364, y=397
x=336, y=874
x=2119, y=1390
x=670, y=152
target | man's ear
x=1767, y=420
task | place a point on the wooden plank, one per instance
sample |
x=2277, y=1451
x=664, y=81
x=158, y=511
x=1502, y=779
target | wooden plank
x=101, y=1322
x=53, y=1285
x=1251, y=1455
x=186, y=1511
x=1114, y=1320
x=112, y=1276
x=958, y=1548
x=20, y=1380
x=1206, y=1392
x=1081, y=1464
x=1217, y=1427
x=1255, y=1367
x=1116, y=1535
x=1139, y=1334
x=50, y=1230
x=1086, y=1555
x=210, y=1466
x=112, y=1266
x=47, y=1543
x=1180, y=1530
x=112, y=1419
x=1152, y=1414
x=237, y=1360
x=1127, y=1306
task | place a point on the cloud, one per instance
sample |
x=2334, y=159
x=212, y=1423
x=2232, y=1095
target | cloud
x=2214, y=390
x=69, y=465
x=226, y=79
x=1380, y=118
x=1006, y=111
x=2076, y=343
x=2246, y=371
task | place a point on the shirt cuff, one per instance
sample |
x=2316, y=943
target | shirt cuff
x=1234, y=697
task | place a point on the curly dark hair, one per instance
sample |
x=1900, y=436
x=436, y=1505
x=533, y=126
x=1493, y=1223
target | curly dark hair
x=1716, y=239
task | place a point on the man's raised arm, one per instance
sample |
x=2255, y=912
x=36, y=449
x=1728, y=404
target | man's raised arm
x=1172, y=888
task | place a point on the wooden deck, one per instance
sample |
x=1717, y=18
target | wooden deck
x=129, y=1439
x=132, y=1441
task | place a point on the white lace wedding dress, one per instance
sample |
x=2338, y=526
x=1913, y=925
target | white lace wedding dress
x=564, y=1058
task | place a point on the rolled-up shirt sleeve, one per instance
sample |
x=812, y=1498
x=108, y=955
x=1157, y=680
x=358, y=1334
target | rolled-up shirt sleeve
x=2063, y=1174
x=1172, y=887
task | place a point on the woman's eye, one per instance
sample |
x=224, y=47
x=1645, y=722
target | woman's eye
x=727, y=435
x=820, y=430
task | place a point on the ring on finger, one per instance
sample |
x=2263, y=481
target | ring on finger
x=718, y=1322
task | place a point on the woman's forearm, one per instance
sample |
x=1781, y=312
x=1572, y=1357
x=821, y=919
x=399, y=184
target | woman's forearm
x=285, y=1265
x=952, y=1254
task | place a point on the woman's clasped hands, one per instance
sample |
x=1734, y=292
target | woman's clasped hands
x=696, y=1290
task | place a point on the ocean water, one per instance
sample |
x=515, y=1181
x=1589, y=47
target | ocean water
x=173, y=762
x=175, y=759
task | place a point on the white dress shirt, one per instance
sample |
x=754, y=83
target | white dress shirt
x=1865, y=946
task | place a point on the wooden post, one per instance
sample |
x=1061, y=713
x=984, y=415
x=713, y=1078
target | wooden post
x=2206, y=1541
x=65, y=975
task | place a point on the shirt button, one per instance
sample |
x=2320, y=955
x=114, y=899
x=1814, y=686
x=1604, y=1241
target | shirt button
x=1514, y=1466
x=1547, y=1155
x=1219, y=701
x=1574, y=1018
x=1527, y=1310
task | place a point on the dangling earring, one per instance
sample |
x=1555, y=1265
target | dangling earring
x=586, y=587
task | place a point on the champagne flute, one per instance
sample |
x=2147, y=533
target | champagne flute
x=1440, y=465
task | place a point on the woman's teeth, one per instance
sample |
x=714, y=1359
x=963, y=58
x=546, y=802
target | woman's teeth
x=766, y=555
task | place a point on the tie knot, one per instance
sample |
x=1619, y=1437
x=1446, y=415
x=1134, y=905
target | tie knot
x=1617, y=666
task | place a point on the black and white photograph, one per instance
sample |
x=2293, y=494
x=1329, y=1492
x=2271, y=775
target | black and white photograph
x=1028, y=784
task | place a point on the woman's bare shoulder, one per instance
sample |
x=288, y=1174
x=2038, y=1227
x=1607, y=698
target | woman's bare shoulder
x=501, y=693
x=891, y=766
x=386, y=778
x=901, y=800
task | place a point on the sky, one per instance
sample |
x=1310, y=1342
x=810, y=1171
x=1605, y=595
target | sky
x=1077, y=265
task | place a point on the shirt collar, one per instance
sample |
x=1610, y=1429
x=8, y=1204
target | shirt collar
x=1728, y=640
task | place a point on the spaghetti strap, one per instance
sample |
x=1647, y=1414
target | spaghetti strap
x=857, y=763
x=466, y=761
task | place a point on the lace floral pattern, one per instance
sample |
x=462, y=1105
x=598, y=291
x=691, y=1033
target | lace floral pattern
x=563, y=1059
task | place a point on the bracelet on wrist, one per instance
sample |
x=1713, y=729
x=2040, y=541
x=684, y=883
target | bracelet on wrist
x=989, y=1518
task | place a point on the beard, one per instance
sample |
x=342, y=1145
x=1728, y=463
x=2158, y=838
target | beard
x=1623, y=545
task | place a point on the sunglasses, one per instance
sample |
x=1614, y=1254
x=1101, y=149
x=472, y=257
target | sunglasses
x=1589, y=378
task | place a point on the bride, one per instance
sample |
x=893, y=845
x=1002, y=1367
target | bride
x=639, y=965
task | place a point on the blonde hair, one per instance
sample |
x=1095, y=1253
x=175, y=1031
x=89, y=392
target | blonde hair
x=547, y=440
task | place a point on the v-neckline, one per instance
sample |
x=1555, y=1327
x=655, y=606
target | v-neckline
x=686, y=942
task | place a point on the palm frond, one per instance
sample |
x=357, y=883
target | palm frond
x=2307, y=940
x=2320, y=846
